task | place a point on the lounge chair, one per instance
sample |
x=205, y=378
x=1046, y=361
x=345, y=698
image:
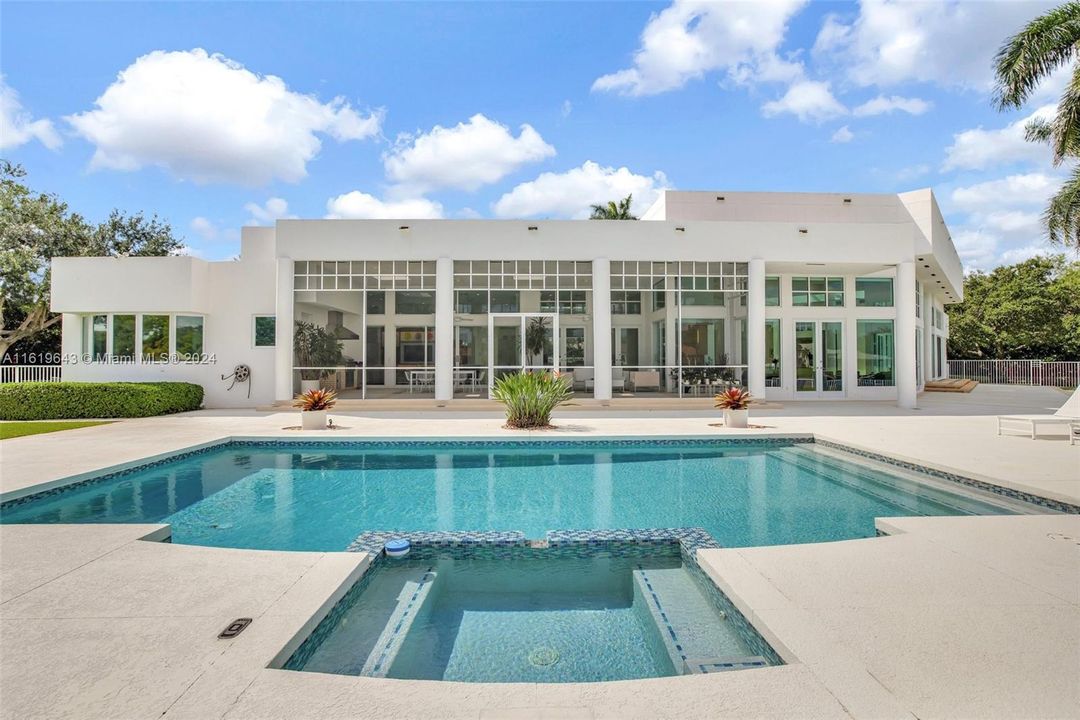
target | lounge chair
x=1065, y=415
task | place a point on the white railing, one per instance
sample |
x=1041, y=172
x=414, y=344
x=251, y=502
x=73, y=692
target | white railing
x=29, y=373
x=1018, y=372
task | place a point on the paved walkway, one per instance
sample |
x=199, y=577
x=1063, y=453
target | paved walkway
x=948, y=617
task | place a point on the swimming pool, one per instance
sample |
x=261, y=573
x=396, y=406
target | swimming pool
x=583, y=613
x=323, y=495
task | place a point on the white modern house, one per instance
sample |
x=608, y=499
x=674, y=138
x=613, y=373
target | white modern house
x=800, y=296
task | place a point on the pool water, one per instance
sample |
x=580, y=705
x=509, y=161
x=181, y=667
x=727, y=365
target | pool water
x=321, y=496
x=528, y=615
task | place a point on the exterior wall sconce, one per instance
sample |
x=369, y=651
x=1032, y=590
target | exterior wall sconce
x=680, y=229
x=719, y=198
x=803, y=231
x=403, y=227
x=847, y=201
x=533, y=227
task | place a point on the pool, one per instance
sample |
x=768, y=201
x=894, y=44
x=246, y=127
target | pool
x=520, y=614
x=323, y=495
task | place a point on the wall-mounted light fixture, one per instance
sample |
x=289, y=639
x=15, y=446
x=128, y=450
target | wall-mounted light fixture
x=403, y=227
x=533, y=227
x=719, y=198
x=847, y=201
x=680, y=229
x=803, y=231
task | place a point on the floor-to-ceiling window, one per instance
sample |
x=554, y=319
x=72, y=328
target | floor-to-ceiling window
x=876, y=353
x=504, y=321
x=365, y=328
x=678, y=327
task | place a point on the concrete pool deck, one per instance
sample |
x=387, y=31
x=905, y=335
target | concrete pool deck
x=946, y=617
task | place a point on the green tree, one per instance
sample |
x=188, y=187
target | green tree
x=1030, y=310
x=1023, y=62
x=614, y=210
x=36, y=227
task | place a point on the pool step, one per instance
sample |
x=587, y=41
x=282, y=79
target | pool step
x=705, y=666
x=689, y=624
x=410, y=601
x=893, y=487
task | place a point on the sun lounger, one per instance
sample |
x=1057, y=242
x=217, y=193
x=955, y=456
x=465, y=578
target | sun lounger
x=1065, y=416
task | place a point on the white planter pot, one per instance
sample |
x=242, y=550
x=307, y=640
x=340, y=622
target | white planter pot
x=313, y=419
x=736, y=418
x=306, y=385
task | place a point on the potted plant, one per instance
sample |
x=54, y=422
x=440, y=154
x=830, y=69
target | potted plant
x=313, y=406
x=316, y=349
x=530, y=397
x=735, y=402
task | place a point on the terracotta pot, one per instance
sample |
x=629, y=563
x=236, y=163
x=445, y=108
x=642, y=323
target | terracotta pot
x=313, y=419
x=736, y=418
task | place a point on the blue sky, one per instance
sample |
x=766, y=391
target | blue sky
x=219, y=115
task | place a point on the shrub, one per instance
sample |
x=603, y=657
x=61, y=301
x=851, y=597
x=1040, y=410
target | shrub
x=530, y=398
x=317, y=399
x=74, y=400
x=734, y=398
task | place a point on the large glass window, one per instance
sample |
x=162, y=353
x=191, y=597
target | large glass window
x=873, y=292
x=189, y=336
x=155, y=338
x=574, y=347
x=505, y=301
x=123, y=341
x=471, y=302
x=772, y=353
x=918, y=299
x=772, y=292
x=817, y=291
x=265, y=330
x=570, y=302
x=375, y=302
x=625, y=302
x=414, y=303
x=876, y=352
x=96, y=336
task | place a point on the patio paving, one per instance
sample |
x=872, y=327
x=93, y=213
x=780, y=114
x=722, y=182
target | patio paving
x=947, y=617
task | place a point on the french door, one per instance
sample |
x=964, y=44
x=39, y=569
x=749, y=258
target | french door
x=521, y=341
x=819, y=358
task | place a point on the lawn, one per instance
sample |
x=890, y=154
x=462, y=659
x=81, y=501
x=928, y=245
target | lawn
x=18, y=429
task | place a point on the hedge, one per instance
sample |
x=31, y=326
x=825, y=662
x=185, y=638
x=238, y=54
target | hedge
x=75, y=400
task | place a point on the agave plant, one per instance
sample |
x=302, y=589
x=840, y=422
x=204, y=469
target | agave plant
x=318, y=399
x=734, y=398
x=530, y=397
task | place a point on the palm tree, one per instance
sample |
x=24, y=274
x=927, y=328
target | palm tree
x=1023, y=62
x=613, y=210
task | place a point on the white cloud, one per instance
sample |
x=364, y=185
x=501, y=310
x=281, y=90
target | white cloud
x=882, y=105
x=465, y=157
x=570, y=194
x=208, y=119
x=204, y=228
x=694, y=37
x=808, y=100
x=978, y=149
x=1031, y=189
x=269, y=212
x=361, y=206
x=977, y=249
x=18, y=126
x=948, y=43
x=567, y=108
x=842, y=135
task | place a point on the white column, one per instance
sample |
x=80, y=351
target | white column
x=444, y=328
x=755, y=328
x=601, y=283
x=904, y=336
x=283, y=335
x=72, y=345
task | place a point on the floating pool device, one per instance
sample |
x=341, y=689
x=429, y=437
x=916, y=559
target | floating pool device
x=396, y=548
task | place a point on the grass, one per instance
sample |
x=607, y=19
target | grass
x=10, y=430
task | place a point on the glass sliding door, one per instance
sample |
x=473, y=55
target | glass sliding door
x=832, y=352
x=772, y=354
x=522, y=341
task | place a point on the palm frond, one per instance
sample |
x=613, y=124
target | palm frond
x=1027, y=58
x=1062, y=216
